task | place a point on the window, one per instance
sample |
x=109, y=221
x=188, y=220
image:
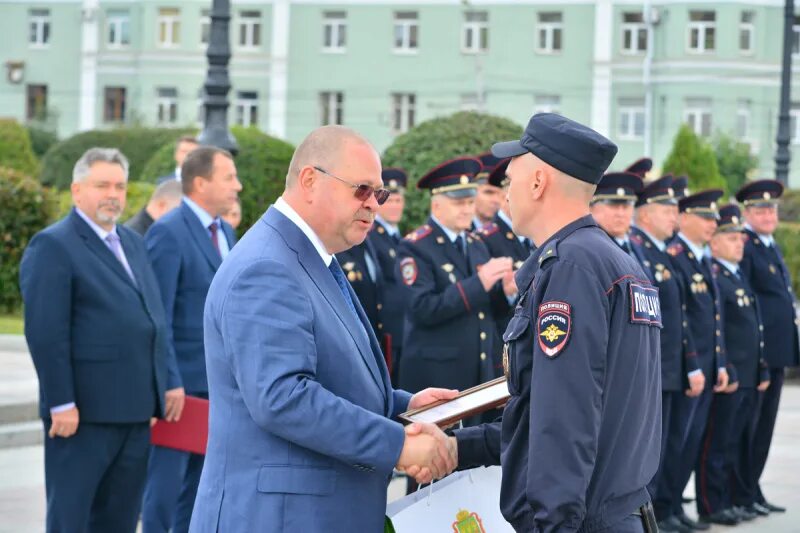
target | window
x=39, y=21
x=475, y=32
x=698, y=115
x=634, y=33
x=249, y=29
x=404, y=109
x=169, y=27
x=246, y=108
x=167, y=105
x=406, y=31
x=794, y=123
x=631, y=119
x=743, y=120
x=119, y=29
x=550, y=32
x=36, y=108
x=205, y=26
x=547, y=103
x=746, y=30
x=334, y=31
x=702, y=31
x=331, y=108
x=114, y=104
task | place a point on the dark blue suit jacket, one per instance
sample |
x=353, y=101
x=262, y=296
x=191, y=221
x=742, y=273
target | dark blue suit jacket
x=185, y=261
x=97, y=338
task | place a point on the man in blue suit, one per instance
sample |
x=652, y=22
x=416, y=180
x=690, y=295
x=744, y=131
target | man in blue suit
x=95, y=329
x=186, y=247
x=301, y=436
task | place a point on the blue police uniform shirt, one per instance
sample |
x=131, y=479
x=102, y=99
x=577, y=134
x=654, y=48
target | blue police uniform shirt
x=391, y=229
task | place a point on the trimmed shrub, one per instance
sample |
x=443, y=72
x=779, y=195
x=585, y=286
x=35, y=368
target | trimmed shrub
x=734, y=160
x=27, y=207
x=695, y=158
x=788, y=237
x=42, y=139
x=423, y=147
x=15, y=148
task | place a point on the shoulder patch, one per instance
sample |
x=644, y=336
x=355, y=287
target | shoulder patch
x=490, y=228
x=675, y=249
x=554, y=327
x=408, y=269
x=645, y=305
x=419, y=233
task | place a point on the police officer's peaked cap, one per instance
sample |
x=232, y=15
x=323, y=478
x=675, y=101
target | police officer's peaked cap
x=730, y=219
x=703, y=203
x=641, y=167
x=659, y=191
x=394, y=179
x=760, y=193
x=617, y=187
x=572, y=148
x=454, y=178
x=498, y=176
x=488, y=163
x=681, y=187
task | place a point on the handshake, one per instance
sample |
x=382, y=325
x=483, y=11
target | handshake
x=428, y=453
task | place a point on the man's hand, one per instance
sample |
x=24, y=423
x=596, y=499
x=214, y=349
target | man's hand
x=510, y=284
x=428, y=396
x=493, y=270
x=764, y=385
x=173, y=404
x=722, y=380
x=697, y=383
x=64, y=424
x=427, y=452
x=731, y=388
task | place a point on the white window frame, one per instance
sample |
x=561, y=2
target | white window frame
x=750, y=28
x=120, y=21
x=172, y=28
x=205, y=23
x=478, y=30
x=549, y=30
x=331, y=108
x=406, y=26
x=40, y=28
x=166, y=106
x=336, y=23
x=247, y=28
x=547, y=103
x=633, y=28
x=630, y=110
x=404, y=112
x=246, y=108
x=694, y=114
x=701, y=27
x=743, y=113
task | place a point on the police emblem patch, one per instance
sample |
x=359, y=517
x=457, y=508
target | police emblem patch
x=645, y=305
x=408, y=269
x=554, y=326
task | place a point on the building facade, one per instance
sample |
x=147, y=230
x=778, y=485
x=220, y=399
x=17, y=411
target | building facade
x=633, y=70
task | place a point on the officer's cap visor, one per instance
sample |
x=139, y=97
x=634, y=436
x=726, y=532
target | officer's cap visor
x=508, y=149
x=461, y=193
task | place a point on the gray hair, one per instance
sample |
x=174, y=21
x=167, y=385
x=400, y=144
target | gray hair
x=95, y=155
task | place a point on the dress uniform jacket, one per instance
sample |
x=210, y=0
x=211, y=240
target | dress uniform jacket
x=450, y=329
x=581, y=432
x=368, y=290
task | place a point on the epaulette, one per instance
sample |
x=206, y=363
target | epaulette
x=549, y=252
x=675, y=249
x=419, y=233
x=635, y=237
x=488, y=229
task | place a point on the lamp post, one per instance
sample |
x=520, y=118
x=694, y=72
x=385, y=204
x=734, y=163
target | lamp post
x=215, y=100
x=782, y=155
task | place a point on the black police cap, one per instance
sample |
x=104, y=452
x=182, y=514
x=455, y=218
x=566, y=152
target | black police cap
x=730, y=219
x=760, y=193
x=454, y=178
x=394, y=179
x=659, y=191
x=641, y=167
x=617, y=187
x=703, y=203
x=681, y=187
x=488, y=164
x=498, y=176
x=570, y=147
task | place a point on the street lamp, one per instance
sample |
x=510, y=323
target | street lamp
x=215, y=100
x=782, y=155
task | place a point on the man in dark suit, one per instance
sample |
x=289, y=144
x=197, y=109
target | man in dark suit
x=96, y=331
x=764, y=268
x=186, y=247
x=183, y=146
x=165, y=198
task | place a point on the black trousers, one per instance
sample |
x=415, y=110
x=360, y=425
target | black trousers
x=765, y=426
x=693, y=413
x=743, y=486
x=94, y=480
x=663, y=488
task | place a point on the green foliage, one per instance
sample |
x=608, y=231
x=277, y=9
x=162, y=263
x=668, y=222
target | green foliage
x=15, y=148
x=694, y=157
x=42, y=138
x=790, y=206
x=27, y=208
x=788, y=237
x=435, y=141
x=734, y=160
x=138, y=145
x=262, y=163
x=138, y=195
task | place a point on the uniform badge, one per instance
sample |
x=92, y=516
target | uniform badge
x=352, y=276
x=773, y=269
x=381, y=230
x=349, y=265
x=447, y=267
x=698, y=285
x=554, y=326
x=392, y=253
x=440, y=240
x=408, y=269
x=510, y=236
x=645, y=305
x=662, y=273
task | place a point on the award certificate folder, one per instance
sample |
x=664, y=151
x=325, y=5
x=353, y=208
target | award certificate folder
x=444, y=413
x=189, y=434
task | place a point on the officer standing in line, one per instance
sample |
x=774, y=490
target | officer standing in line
x=488, y=197
x=612, y=208
x=655, y=217
x=455, y=288
x=729, y=431
x=385, y=238
x=681, y=187
x=363, y=271
x=577, y=452
x=698, y=222
x=764, y=268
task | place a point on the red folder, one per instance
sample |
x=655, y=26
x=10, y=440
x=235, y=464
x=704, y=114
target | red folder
x=189, y=434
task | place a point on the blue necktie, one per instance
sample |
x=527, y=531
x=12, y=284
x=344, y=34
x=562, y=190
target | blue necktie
x=343, y=284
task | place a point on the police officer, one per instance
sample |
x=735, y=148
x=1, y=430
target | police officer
x=363, y=271
x=385, y=238
x=729, y=432
x=680, y=186
x=579, y=436
x=640, y=167
x=764, y=268
x=488, y=196
x=612, y=208
x=455, y=288
x=656, y=215
x=698, y=222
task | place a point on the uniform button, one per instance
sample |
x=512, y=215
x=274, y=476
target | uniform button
x=483, y=356
x=685, y=341
x=718, y=349
x=762, y=344
x=685, y=324
x=684, y=307
x=716, y=317
x=483, y=335
x=718, y=333
x=760, y=328
x=481, y=315
x=380, y=326
x=380, y=306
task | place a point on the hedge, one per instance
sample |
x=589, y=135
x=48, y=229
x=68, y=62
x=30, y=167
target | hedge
x=788, y=237
x=15, y=148
x=430, y=143
x=42, y=139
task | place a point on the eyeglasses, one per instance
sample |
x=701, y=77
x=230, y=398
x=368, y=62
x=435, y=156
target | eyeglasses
x=362, y=192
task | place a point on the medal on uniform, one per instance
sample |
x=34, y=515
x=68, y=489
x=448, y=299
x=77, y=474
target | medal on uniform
x=740, y=297
x=773, y=269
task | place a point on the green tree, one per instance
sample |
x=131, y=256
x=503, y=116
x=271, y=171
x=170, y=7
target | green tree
x=15, y=148
x=695, y=158
x=734, y=160
x=417, y=151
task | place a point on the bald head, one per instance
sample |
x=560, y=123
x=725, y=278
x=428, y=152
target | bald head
x=324, y=147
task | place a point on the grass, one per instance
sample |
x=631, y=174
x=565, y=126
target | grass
x=11, y=324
